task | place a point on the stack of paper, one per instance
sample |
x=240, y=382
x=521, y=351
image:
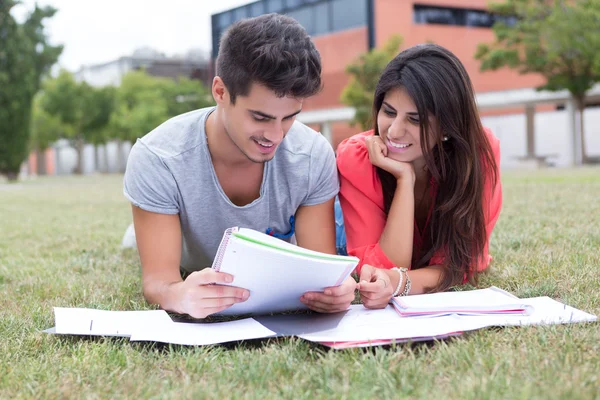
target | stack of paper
x=473, y=302
x=275, y=272
x=356, y=327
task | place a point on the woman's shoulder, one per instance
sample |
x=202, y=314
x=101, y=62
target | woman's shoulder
x=494, y=142
x=352, y=154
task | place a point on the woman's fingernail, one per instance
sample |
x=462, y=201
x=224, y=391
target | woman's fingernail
x=328, y=292
x=229, y=279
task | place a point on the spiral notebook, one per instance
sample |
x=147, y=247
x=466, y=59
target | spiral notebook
x=275, y=272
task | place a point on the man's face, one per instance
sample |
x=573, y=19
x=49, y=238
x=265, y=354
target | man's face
x=258, y=122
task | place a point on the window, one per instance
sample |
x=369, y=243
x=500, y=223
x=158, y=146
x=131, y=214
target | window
x=257, y=9
x=322, y=19
x=241, y=13
x=425, y=14
x=318, y=17
x=348, y=14
x=436, y=15
x=224, y=20
x=479, y=18
x=293, y=3
x=274, y=6
x=305, y=17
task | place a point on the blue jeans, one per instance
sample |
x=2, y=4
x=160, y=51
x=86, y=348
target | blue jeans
x=340, y=233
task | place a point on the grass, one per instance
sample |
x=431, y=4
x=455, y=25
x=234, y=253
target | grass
x=59, y=246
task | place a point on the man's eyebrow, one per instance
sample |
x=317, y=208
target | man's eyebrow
x=262, y=114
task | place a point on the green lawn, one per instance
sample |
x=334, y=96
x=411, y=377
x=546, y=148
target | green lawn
x=59, y=246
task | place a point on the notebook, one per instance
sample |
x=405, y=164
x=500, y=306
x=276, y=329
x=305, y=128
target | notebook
x=473, y=302
x=275, y=272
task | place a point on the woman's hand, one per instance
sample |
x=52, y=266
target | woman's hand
x=378, y=155
x=376, y=286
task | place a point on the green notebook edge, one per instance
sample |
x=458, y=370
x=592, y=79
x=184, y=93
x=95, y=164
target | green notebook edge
x=329, y=257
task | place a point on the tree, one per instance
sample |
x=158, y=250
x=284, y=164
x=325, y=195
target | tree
x=102, y=105
x=84, y=111
x=143, y=102
x=365, y=72
x=558, y=39
x=184, y=94
x=45, y=129
x=25, y=57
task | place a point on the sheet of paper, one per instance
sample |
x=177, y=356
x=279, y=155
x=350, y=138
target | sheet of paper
x=199, y=333
x=360, y=324
x=546, y=311
x=383, y=342
x=491, y=299
x=86, y=321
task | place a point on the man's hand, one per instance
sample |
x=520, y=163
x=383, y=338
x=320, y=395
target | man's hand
x=376, y=286
x=333, y=299
x=203, y=293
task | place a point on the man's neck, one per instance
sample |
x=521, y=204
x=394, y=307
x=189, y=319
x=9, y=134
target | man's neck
x=222, y=150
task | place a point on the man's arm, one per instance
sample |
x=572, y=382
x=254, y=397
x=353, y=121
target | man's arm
x=159, y=239
x=315, y=230
x=315, y=227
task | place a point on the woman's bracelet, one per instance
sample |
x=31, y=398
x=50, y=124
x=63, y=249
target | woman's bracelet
x=400, y=274
x=406, y=290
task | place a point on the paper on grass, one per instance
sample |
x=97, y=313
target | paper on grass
x=545, y=311
x=359, y=324
x=199, y=333
x=87, y=321
x=472, y=302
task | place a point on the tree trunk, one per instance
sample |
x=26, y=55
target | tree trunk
x=580, y=104
x=79, y=144
x=41, y=161
x=12, y=176
x=120, y=157
x=106, y=164
x=97, y=158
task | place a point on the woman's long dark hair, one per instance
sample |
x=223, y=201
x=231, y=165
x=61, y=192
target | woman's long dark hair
x=439, y=85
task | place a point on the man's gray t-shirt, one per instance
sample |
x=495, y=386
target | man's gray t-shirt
x=169, y=171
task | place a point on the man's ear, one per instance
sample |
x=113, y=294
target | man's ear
x=219, y=91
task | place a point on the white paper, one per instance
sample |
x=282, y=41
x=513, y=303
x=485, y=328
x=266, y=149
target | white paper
x=276, y=280
x=86, y=321
x=199, y=333
x=361, y=324
x=546, y=311
x=490, y=300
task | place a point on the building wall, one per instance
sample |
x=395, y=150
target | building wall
x=337, y=50
x=393, y=17
x=105, y=74
x=396, y=17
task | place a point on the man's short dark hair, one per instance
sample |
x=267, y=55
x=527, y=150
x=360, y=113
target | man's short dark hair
x=272, y=50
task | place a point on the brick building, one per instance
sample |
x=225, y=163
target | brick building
x=344, y=29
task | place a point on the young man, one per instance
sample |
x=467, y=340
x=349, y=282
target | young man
x=245, y=162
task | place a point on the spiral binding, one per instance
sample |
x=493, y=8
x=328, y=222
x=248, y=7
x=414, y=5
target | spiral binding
x=222, y=248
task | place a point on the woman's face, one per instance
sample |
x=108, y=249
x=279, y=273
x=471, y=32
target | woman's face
x=399, y=126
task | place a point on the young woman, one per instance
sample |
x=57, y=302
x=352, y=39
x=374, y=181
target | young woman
x=420, y=193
